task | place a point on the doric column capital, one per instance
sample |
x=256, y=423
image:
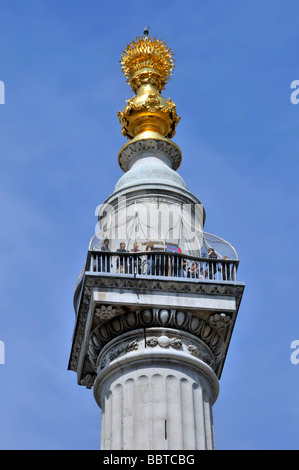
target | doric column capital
x=155, y=348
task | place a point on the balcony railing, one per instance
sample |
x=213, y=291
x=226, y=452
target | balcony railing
x=161, y=264
x=155, y=265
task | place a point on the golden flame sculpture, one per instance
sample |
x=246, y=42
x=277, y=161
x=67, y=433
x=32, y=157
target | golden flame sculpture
x=147, y=58
x=147, y=64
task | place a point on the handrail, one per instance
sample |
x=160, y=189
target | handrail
x=161, y=263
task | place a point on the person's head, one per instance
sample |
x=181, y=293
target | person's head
x=106, y=242
x=211, y=250
x=122, y=245
x=135, y=245
x=148, y=248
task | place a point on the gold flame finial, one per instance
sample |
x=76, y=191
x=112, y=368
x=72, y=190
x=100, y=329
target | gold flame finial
x=147, y=58
x=147, y=64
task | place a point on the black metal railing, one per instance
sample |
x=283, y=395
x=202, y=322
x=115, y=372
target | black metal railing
x=155, y=265
x=161, y=264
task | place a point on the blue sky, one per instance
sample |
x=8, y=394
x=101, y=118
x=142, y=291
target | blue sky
x=59, y=141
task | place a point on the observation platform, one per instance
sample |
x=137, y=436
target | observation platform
x=113, y=286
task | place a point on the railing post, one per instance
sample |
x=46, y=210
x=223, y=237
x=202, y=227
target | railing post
x=91, y=262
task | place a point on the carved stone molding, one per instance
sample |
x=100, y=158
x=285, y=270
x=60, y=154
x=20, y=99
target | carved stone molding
x=133, y=345
x=164, y=341
x=220, y=321
x=88, y=380
x=105, y=312
x=212, y=336
x=117, y=349
x=176, y=343
x=134, y=148
x=163, y=285
x=90, y=282
x=156, y=347
x=200, y=353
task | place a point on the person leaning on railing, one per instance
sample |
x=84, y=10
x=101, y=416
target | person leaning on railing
x=212, y=265
x=121, y=261
x=135, y=264
x=148, y=261
x=105, y=259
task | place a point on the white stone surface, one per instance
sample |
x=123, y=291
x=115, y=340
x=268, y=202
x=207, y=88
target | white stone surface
x=166, y=299
x=156, y=386
x=156, y=398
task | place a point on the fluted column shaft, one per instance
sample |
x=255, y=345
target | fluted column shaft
x=155, y=396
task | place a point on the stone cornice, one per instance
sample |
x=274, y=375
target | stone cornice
x=91, y=282
x=211, y=332
x=164, y=146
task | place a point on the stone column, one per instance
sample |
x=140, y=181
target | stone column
x=156, y=389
